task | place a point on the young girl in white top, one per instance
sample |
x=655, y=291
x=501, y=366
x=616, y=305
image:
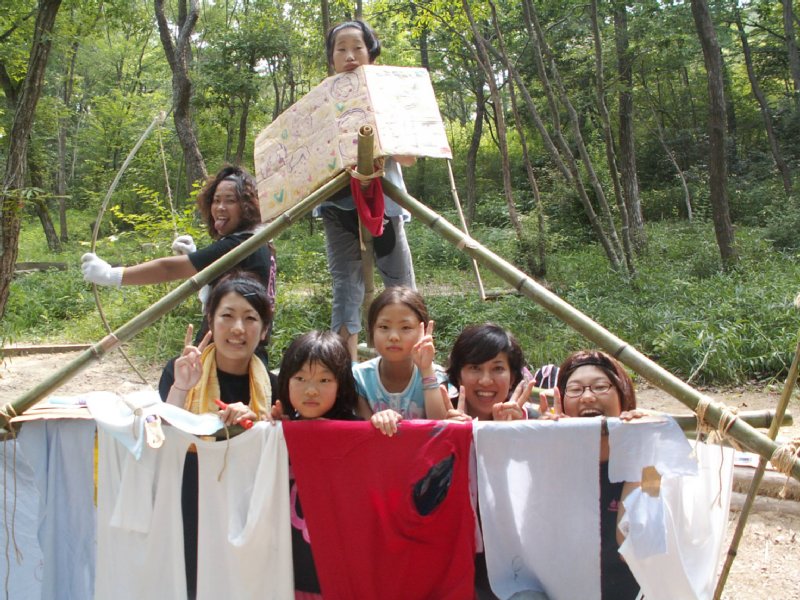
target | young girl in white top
x=403, y=382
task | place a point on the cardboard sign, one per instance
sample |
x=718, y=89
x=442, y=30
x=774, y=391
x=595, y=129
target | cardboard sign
x=317, y=137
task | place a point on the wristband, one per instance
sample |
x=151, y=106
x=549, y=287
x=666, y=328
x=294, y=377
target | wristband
x=430, y=379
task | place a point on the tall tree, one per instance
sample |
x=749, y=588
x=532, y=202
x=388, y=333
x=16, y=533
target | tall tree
x=16, y=158
x=717, y=164
x=763, y=105
x=627, y=146
x=791, y=48
x=178, y=53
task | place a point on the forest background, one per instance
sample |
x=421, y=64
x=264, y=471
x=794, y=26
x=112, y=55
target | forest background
x=637, y=158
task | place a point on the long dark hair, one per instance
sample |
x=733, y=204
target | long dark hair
x=478, y=343
x=327, y=348
x=613, y=369
x=370, y=39
x=246, y=193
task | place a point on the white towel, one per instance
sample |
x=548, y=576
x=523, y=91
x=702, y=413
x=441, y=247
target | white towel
x=539, y=498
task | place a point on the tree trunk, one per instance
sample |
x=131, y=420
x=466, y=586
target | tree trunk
x=627, y=146
x=537, y=265
x=243, y=129
x=791, y=48
x=717, y=166
x=326, y=25
x=608, y=236
x=16, y=157
x=474, y=145
x=178, y=56
x=424, y=61
x=40, y=205
x=63, y=124
x=766, y=114
x=502, y=143
x=558, y=150
x=611, y=155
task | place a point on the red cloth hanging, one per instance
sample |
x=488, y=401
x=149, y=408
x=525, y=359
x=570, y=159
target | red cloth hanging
x=369, y=204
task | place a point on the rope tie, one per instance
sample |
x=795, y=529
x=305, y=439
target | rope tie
x=364, y=178
x=225, y=456
x=783, y=459
x=8, y=412
x=727, y=418
x=10, y=531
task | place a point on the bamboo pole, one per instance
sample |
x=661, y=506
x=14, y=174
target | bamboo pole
x=463, y=221
x=758, y=475
x=173, y=299
x=751, y=439
x=157, y=121
x=366, y=166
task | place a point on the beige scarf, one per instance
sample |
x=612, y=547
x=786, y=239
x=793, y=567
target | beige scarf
x=200, y=399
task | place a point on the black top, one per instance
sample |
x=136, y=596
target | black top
x=617, y=580
x=232, y=388
x=258, y=263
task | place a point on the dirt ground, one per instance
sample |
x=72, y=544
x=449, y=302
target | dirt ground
x=767, y=566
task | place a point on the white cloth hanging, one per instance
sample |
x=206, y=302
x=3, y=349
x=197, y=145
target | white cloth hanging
x=61, y=456
x=21, y=518
x=694, y=509
x=539, y=499
x=139, y=522
x=244, y=527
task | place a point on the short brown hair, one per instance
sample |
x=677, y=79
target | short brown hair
x=609, y=365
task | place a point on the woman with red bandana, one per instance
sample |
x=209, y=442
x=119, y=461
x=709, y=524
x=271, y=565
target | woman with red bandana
x=593, y=384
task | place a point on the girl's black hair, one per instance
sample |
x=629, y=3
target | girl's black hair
x=327, y=348
x=252, y=290
x=370, y=39
x=246, y=193
x=478, y=343
x=396, y=294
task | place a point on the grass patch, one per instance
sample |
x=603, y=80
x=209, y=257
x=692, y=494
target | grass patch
x=681, y=309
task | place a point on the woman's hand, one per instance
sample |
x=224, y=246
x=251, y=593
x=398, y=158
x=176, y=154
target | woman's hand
x=236, y=413
x=556, y=412
x=386, y=421
x=188, y=367
x=424, y=351
x=458, y=414
x=513, y=409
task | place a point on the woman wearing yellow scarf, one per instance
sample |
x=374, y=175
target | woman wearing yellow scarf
x=222, y=367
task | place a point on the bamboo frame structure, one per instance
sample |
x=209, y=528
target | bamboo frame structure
x=173, y=299
x=758, y=475
x=740, y=431
x=748, y=437
x=366, y=166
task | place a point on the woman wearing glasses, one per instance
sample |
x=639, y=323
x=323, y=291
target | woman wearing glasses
x=593, y=384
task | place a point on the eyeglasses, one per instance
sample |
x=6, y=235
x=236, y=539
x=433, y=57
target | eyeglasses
x=598, y=389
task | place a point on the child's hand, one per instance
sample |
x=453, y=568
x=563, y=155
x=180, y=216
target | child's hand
x=551, y=414
x=514, y=408
x=188, y=367
x=386, y=421
x=458, y=414
x=423, y=351
x=275, y=413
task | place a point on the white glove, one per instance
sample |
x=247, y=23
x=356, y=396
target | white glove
x=204, y=294
x=183, y=244
x=96, y=270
